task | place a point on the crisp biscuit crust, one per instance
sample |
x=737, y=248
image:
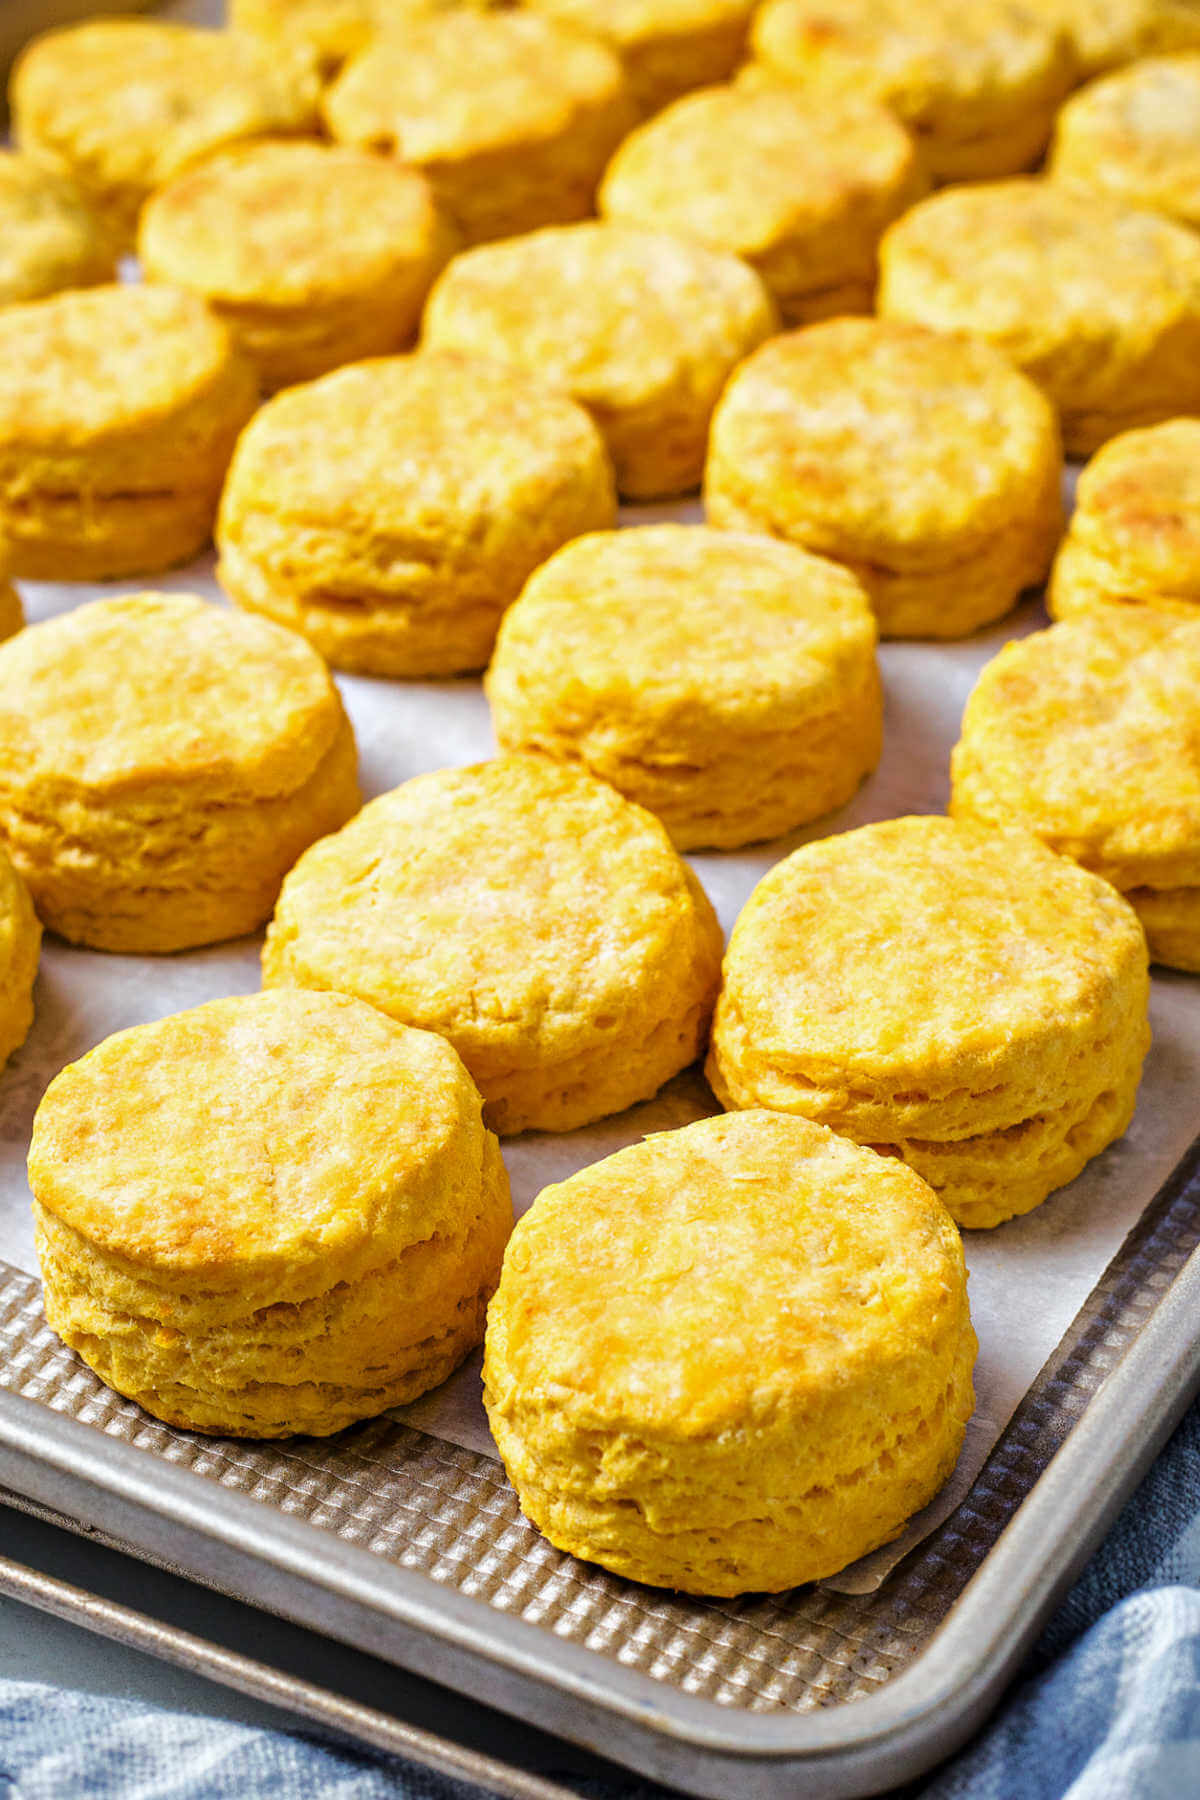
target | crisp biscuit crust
x=332, y=1259
x=667, y=46
x=125, y=104
x=730, y=1358
x=1134, y=536
x=312, y=254
x=1135, y=136
x=525, y=911
x=1099, y=303
x=119, y=409
x=1103, y=34
x=392, y=511
x=640, y=327
x=725, y=682
x=510, y=116
x=802, y=196
x=162, y=764
x=976, y=1030
x=1086, y=734
x=49, y=236
x=20, y=944
x=924, y=462
x=978, y=84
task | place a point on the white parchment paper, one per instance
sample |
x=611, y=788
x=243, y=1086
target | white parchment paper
x=1028, y=1278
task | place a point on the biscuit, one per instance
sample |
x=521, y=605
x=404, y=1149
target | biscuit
x=20, y=943
x=124, y=104
x=392, y=510
x=527, y=912
x=1098, y=302
x=730, y=1358
x=1088, y=735
x=1135, y=137
x=512, y=117
x=868, y=987
x=667, y=46
x=1134, y=536
x=640, y=327
x=163, y=762
x=12, y=614
x=273, y=1214
x=802, y=195
x=119, y=410
x=334, y=30
x=978, y=85
x=311, y=254
x=1104, y=34
x=723, y=681
x=924, y=462
x=50, y=238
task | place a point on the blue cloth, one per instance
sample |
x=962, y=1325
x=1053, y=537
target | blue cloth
x=1108, y=1709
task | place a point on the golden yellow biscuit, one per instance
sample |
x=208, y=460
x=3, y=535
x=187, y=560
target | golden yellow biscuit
x=1134, y=536
x=1103, y=34
x=1088, y=735
x=950, y=994
x=119, y=410
x=20, y=943
x=725, y=682
x=272, y=1214
x=977, y=84
x=512, y=117
x=12, y=613
x=163, y=762
x=1135, y=137
x=667, y=46
x=802, y=195
x=1099, y=303
x=313, y=255
x=731, y=1358
x=49, y=236
x=527, y=912
x=125, y=104
x=334, y=30
x=642, y=328
x=392, y=510
x=924, y=462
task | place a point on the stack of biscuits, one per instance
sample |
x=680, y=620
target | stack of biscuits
x=428, y=288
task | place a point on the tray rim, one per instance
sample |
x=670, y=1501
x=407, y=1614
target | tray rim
x=248, y=1547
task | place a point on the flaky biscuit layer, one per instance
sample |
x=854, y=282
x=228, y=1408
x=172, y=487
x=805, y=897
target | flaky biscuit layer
x=667, y=46
x=20, y=945
x=50, y=238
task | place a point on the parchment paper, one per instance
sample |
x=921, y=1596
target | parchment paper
x=1028, y=1278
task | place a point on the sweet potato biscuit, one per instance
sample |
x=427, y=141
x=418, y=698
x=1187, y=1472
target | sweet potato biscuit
x=163, y=762
x=1135, y=136
x=731, y=1358
x=512, y=117
x=392, y=510
x=50, y=238
x=119, y=410
x=642, y=328
x=312, y=254
x=1104, y=34
x=273, y=1214
x=527, y=912
x=977, y=84
x=1088, y=735
x=800, y=194
x=924, y=462
x=1134, y=536
x=20, y=942
x=725, y=682
x=667, y=46
x=995, y=1058
x=334, y=30
x=1098, y=302
x=125, y=104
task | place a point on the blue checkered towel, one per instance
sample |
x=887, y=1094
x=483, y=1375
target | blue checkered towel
x=1109, y=1708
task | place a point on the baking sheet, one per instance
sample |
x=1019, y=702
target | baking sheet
x=1028, y=1278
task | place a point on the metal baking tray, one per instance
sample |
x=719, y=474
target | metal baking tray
x=414, y=1549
